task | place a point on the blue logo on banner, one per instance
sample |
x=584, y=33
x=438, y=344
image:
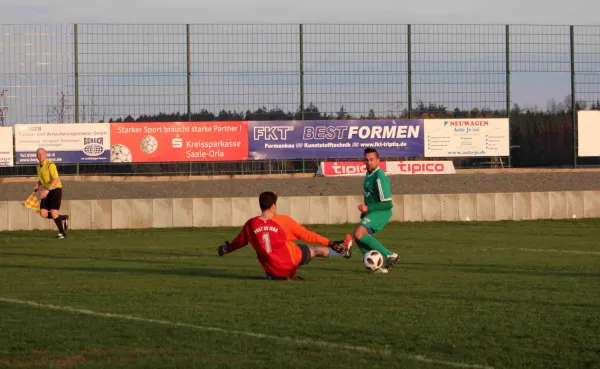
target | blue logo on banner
x=93, y=146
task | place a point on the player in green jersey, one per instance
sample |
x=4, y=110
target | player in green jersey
x=376, y=210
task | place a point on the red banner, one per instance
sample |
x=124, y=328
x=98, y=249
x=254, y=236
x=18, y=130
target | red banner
x=139, y=142
x=346, y=168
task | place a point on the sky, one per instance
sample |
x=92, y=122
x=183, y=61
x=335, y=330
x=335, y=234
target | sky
x=307, y=11
x=141, y=69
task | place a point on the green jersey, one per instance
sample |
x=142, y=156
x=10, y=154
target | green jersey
x=376, y=190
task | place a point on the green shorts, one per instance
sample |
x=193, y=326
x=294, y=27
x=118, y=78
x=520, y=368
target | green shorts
x=376, y=220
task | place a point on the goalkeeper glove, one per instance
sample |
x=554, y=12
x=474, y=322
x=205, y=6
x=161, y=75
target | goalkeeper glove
x=223, y=249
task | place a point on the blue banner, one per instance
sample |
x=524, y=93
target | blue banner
x=63, y=157
x=325, y=139
x=64, y=143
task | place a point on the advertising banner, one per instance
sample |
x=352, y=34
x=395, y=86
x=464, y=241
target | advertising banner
x=358, y=168
x=321, y=139
x=138, y=142
x=6, y=147
x=467, y=137
x=65, y=143
x=588, y=133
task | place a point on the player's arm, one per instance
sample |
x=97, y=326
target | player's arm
x=54, y=176
x=384, y=194
x=240, y=241
x=304, y=234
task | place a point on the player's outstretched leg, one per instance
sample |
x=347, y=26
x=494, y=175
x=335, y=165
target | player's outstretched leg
x=391, y=260
x=341, y=248
x=367, y=242
x=311, y=252
x=323, y=252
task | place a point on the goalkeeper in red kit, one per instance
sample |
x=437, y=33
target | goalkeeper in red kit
x=272, y=236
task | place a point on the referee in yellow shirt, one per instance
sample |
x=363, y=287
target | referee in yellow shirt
x=51, y=195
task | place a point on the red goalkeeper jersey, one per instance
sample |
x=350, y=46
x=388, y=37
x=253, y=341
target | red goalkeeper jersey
x=272, y=239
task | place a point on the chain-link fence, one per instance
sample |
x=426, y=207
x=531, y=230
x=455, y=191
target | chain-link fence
x=534, y=75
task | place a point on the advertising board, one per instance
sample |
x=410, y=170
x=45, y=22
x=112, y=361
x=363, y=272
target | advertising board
x=6, y=147
x=139, y=142
x=358, y=168
x=466, y=137
x=64, y=143
x=322, y=139
x=588, y=133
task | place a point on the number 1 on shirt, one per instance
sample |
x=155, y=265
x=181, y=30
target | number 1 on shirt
x=267, y=242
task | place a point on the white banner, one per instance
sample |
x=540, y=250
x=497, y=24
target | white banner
x=358, y=168
x=6, y=147
x=65, y=143
x=466, y=137
x=588, y=133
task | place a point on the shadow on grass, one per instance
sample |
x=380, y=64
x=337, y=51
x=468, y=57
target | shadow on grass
x=66, y=257
x=213, y=273
x=191, y=272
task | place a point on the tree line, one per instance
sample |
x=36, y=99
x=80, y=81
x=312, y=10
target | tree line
x=312, y=112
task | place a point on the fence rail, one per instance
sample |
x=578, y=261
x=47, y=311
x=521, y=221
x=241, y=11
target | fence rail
x=538, y=76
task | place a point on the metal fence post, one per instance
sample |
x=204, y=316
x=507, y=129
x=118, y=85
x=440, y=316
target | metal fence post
x=189, y=72
x=507, y=50
x=76, y=66
x=76, y=72
x=573, y=99
x=301, y=30
x=409, y=51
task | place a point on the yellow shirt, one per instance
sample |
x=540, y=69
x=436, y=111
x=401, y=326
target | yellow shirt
x=48, y=173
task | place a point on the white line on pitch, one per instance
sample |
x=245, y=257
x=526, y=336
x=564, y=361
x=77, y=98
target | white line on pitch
x=299, y=341
x=565, y=251
x=537, y=250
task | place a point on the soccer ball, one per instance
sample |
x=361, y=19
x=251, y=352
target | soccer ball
x=149, y=144
x=120, y=154
x=373, y=260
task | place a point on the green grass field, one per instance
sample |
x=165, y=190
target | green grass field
x=470, y=295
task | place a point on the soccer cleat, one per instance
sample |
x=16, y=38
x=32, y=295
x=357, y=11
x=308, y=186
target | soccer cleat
x=391, y=260
x=337, y=246
x=342, y=247
x=60, y=236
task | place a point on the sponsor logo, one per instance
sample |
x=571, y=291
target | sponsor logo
x=429, y=167
x=177, y=142
x=349, y=168
x=389, y=167
x=93, y=146
x=330, y=132
x=274, y=133
x=466, y=123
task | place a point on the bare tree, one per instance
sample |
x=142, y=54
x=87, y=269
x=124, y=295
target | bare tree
x=3, y=108
x=60, y=111
x=94, y=111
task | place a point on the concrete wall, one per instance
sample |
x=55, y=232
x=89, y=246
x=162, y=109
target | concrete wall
x=216, y=212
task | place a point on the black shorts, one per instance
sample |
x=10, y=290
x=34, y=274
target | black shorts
x=306, y=258
x=52, y=200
